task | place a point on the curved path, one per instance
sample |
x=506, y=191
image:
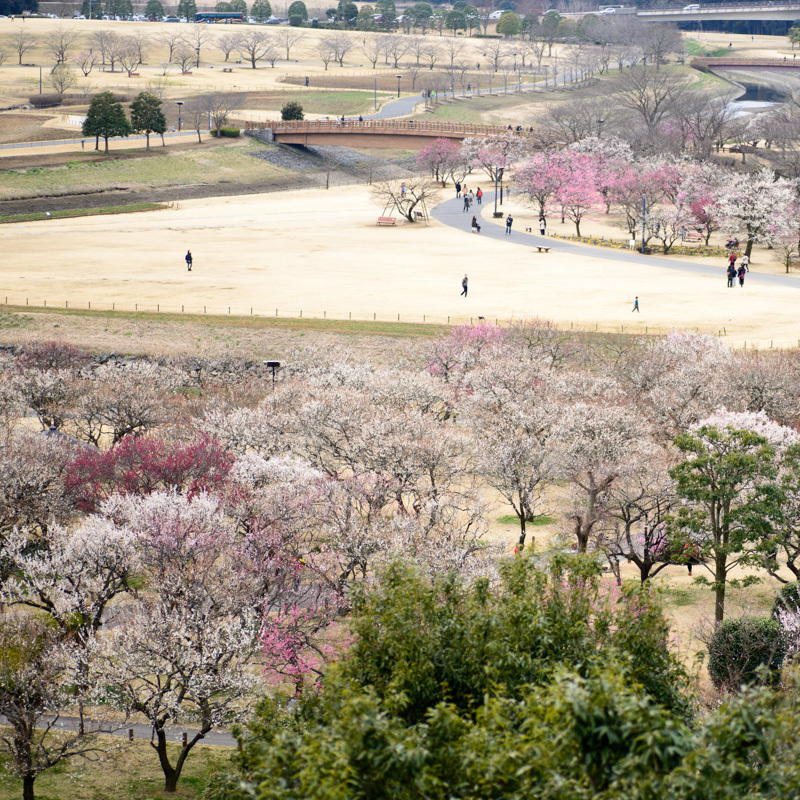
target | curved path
x=451, y=213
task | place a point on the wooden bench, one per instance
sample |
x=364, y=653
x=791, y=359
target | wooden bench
x=546, y=249
x=386, y=221
x=227, y=69
x=133, y=74
x=692, y=236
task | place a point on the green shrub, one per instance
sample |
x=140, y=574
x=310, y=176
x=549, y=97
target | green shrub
x=787, y=598
x=296, y=21
x=292, y=110
x=44, y=100
x=231, y=133
x=740, y=647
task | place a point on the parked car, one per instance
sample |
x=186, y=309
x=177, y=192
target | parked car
x=167, y=19
x=692, y=7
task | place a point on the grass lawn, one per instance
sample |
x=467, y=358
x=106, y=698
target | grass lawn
x=695, y=48
x=513, y=519
x=81, y=212
x=124, y=771
x=228, y=163
x=330, y=102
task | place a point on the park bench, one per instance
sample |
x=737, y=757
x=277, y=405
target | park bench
x=227, y=69
x=186, y=72
x=693, y=236
x=133, y=74
x=386, y=220
x=419, y=215
x=546, y=249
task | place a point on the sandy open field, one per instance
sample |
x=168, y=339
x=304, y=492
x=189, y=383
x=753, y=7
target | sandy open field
x=320, y=252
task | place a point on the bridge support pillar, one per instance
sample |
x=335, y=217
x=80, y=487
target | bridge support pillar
x=266, y=135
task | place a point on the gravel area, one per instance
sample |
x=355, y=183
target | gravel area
x=338, y=165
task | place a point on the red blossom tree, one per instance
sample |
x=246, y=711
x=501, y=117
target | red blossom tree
x=142, y=465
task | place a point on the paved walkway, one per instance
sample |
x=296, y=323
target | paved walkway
x=143, y=732
x=451, y=213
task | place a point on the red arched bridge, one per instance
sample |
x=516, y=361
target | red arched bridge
x=752, y=63
x=399, y=134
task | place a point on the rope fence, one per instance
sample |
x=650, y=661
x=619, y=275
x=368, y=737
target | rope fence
x=734, y=341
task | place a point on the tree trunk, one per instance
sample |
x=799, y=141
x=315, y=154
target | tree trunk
x=27, y=787
x=171, y=775
x=522, y=532
x=719, y=577
x=147, y=138
x=105, y=139
x=749, y=248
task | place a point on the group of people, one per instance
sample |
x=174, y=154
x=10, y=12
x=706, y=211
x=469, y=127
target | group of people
x=469, y=195
x=733, y=272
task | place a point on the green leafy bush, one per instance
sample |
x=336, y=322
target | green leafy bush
x=231, y=133
x=292, y=110
x=741, y=648
x=296, y=21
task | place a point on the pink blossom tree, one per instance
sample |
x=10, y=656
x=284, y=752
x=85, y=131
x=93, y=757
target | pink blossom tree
x=577, y=194
x=440, y=157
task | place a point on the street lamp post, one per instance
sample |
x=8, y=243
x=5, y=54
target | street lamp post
x=179, y=103
x=197, y=50
x=398, y=84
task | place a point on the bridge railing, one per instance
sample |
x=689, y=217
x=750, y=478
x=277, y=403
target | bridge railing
x=733, y=61
x=378, y=126
x=747, y=5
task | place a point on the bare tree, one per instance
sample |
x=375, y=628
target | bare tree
x=60, y=42
x=496, y=52
x=227, y=43
x=195, y=113
x=706, y=119
x=373, y=48
x=659, y=41
x=325, y=50
x=580, y=118
x=221, y=105
x=650, y=93
x=62, y=78
x=453, y=49
x=114, y=48
x=253, y=46
x=288, y=38
x=405, y=197
x=183, y=57
x=140, y=41
x=171, y=39
x=342, y=44
x=129, y=56
x=102, y=40
x=22, y=40
x=396, y=47
x=3, y=55
x=417, y=46
x=432, y=54
x=197, y=38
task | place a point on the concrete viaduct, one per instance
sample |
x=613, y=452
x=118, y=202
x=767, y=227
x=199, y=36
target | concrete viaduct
x=385, y=133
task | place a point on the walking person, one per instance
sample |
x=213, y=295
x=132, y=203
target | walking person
x=731, y=275
x=732, y=260
x=458, y=189
x=471, y=196
x=636, y=305
x=189, y=260
x=745, y=262
x=479, y=195
x=542, y=226
x=466, y=202
x=509, y=223
x=464, y=287
x=742, y=271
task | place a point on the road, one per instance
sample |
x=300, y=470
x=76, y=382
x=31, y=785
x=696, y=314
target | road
x=451, y=213
x=215, y=738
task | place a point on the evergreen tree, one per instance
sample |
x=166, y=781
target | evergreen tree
x=239, y=5
x=106, y=118
x=119, y=8
x=298, y=9
x=154, y=10
x=187, y=8
x=147, y=116
x=96, y=9
x=261, y=10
